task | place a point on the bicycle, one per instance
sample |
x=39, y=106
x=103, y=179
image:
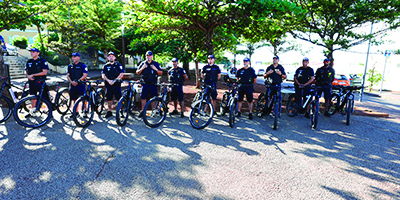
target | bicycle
x=92, y=100
x=38, y=114
x=7, y=104
x=343, y=101
x=202, y=110
x=156, y=109
x=265, y=105
x=126, y=103
x=295, y=105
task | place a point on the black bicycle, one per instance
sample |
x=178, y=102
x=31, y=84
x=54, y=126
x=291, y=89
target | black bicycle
x=202, y=110
x=127, y=103
x=35, y=111
x=295, y=105
x=7, y=104
x=343, y=101
x=156, y=109
x=86, y=105
x=266, y=104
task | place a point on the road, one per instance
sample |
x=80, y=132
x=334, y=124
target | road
x=175, y=161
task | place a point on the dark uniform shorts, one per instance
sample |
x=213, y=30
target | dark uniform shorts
x=327, y=89
x=249, y=94
x=76, y=91
x=148, y=91
x=177, y=93
x=113, y=91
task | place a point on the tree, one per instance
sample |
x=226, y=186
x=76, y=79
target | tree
x=250, y=48
x=335, y=25
x=207, y=17
x=15, y=14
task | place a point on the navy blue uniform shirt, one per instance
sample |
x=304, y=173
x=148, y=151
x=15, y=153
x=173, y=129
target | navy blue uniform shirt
x=276, y=79
x=246, y=76
x=36, y=66
x=210, y=73
x=303, y=75
x=149, y=76
x=176, y=75
x=324, y=76
x=76, y=71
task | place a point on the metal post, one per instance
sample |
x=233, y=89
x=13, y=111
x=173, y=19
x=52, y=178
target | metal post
x=366, y=65
x=123, y=41
x=383, y=76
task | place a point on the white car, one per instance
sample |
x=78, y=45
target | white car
x=290, y=76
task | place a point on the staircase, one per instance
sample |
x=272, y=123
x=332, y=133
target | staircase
x=17, y=66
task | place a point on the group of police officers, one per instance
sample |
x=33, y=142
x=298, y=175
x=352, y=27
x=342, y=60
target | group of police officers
x=36, y=71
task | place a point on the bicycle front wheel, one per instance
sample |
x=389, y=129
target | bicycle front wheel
x=262, y=101
x=100, y=95
x=334, y=103
x=83, y=112
x=5, y=108
x=123, y=110
x=232, y=112
x=63, y=102
x=314, y=114
x=292, y=107
x=224, y=104
x=349, y=108
x=29, y=113
x=276, y=113
x=201, y=114
x=154, y=112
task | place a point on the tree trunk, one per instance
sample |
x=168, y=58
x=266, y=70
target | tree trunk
x=2, y=66
x=197, y=74
x=40, y=38
x=330, y=56
x=185, y=66
x=209, y=44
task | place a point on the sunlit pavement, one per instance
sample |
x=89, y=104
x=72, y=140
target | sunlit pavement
x=175, y=161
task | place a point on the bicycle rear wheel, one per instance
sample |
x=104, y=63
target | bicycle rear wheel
x=29, y=115
x=5, y=108
x=201, y=114
x=349, y=108
x=83, y=112
x=223, y=107
x=276, y=113
x=63, y=102
x=292, y=107
x=334, y=103
x=123, y=110
x=262, y=101
x=99, y=101
x=232, y=112
x=314, y=113
x=154, y=112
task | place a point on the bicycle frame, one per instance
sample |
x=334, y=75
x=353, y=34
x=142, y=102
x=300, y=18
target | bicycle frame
x=277, y=96
x=9, y=85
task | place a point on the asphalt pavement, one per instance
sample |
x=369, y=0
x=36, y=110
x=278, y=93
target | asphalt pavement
x=176, y=161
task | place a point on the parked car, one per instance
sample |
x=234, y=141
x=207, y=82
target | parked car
x=261, y=72
x=355, y=80
x=341, y=79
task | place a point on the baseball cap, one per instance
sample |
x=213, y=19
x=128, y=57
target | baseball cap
x=246, y=59
x=34, y=50
x=211, y=56
x=149, y=53
x=277, y=57
x=111, y=53
x=327, y=59
x=305, y=58
x=174, y=60
x=76, y=54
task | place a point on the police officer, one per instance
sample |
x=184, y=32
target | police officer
x=246, y=77
x=77, y=71
x=149, y=70
x=177, y=75
x=112, y=71
x=275, y=73
x=36, y=71
x=303, y=78
x=210, y=74
x=324, y=77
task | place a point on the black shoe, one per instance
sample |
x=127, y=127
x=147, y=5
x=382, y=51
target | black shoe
x=250, y=116
x=140, y=114
x=238, y=114
x=109, y=114
x=182, y=115
x=326, y=114
x=307, y=115
x=175, y=112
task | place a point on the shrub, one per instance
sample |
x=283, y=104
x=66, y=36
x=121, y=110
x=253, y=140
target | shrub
x=20, y=42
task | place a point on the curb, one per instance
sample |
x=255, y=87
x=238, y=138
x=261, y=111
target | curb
x=372, y=94
x=367, y=112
